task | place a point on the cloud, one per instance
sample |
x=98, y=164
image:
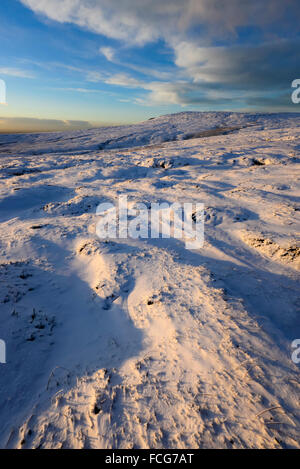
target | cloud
x=121, y=79
x=243, y=67
x=94, y=76
x=80, y=90
x=91, y=75
x=108, y=53
x=158, y=92
x=27, y=124
x=184, y=94
x=281, y=101
x=208, y=95
x=15, y=72
x=142, y=21
x=165, y=93
x=212, y=64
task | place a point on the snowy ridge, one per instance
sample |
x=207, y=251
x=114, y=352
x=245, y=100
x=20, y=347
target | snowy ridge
x=154, y=131
x=142, y=343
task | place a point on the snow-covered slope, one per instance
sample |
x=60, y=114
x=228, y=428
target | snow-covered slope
x=151, y=132
x=142, y=343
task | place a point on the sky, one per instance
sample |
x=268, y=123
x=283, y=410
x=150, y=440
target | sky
x=70, y=64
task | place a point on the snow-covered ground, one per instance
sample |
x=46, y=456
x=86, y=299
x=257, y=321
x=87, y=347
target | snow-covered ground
x=143, y=343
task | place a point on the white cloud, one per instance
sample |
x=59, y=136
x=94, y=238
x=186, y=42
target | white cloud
x=108, y=53
x=207, y=64
x=120, y=79
x=141, y=21
x=28, y=124
x=190, y=29
x=111, y=18
x=164, y=93
x=158, y=92
x=243, y=66
x=15, y=72
x=79, y=90
x=93, y=76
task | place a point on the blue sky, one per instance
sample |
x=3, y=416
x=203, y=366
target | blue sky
x=77, y=63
